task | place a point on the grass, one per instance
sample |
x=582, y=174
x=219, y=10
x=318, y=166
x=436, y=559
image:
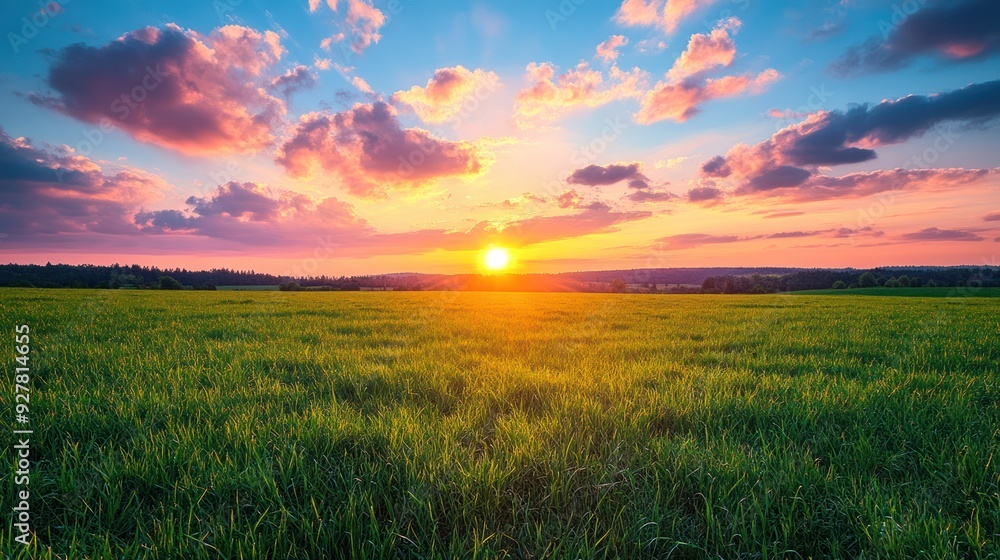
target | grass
x=906, y=292
x=247, y=288
x=483, y=425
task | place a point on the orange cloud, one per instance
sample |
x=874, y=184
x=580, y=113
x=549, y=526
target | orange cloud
x=706, y=51
x=446, y=91
x=550, y=96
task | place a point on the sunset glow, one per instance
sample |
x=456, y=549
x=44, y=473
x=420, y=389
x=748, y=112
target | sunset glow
x=373, y=137
x=496, y=259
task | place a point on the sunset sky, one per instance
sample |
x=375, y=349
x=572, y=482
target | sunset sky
x=375, y=136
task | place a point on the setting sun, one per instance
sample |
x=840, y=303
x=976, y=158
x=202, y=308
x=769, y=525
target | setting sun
x=496, y=259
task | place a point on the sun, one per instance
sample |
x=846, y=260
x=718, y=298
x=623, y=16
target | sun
x=496, y=259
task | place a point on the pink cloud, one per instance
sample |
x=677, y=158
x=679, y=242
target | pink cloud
x=608, y=50
x=663, y=14
x=549, y=96
x=370, y=153
x=446, y=92
x=680, y=101
x=706, y=51
x=197, y=94
x=685, y=87
x=48, y=193
x=362, y=23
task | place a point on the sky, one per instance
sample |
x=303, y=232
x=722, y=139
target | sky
x=347, y=137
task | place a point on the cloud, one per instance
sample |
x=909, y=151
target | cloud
x=568, y=199
x=446, y=92
x=251, y=214
x=370, y=153
x=706, y=51
x=608, y=50
x=692, y=240
x=826, y=31
x=597, y=175
x=643, y=196
x=361, y=24
x=295, y=79
x=935, y=234
x=686, y=86
x=665, y=15
x=792, y=156
x=679, y=101
x=46, y=193
x=548, y=97
x=704, y=194
x=958, y=30
x=670, y=163
x=992, y=217
x=196, y=94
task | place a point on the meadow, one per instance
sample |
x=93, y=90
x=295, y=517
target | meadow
x=483, y=425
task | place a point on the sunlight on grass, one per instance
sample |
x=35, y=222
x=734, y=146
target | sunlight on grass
x=447, y=424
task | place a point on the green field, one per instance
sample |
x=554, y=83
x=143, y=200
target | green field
x=483, y=425
x=962, y=292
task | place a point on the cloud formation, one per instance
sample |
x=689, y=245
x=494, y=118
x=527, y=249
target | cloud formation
x=686, y=86
x=665, y=15
x=447, y=92
x=370, y=153
x=957, y=30
x=178, y=89
x=792, y=156
x=294, y=79
x=598, y=175
x=692, y=240
x=935, y=234
x=46, y=193
x=361, y=24
x=608, y=50
x=548, y=96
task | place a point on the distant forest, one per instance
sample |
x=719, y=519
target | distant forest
x=650, y=280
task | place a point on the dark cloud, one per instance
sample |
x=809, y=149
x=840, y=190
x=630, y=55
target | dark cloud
x=953, y=30
x=716, y=167
x=643, y=196
x=370, y=152
x=779, y=177
x=935, y=234
x=47, y=193
x=792, y=156
x=992, y=217
x=294, y=80
x=704, y=194
x=597, y=175
x=174, y=88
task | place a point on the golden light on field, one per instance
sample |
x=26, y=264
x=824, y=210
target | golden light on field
x=496, y=259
